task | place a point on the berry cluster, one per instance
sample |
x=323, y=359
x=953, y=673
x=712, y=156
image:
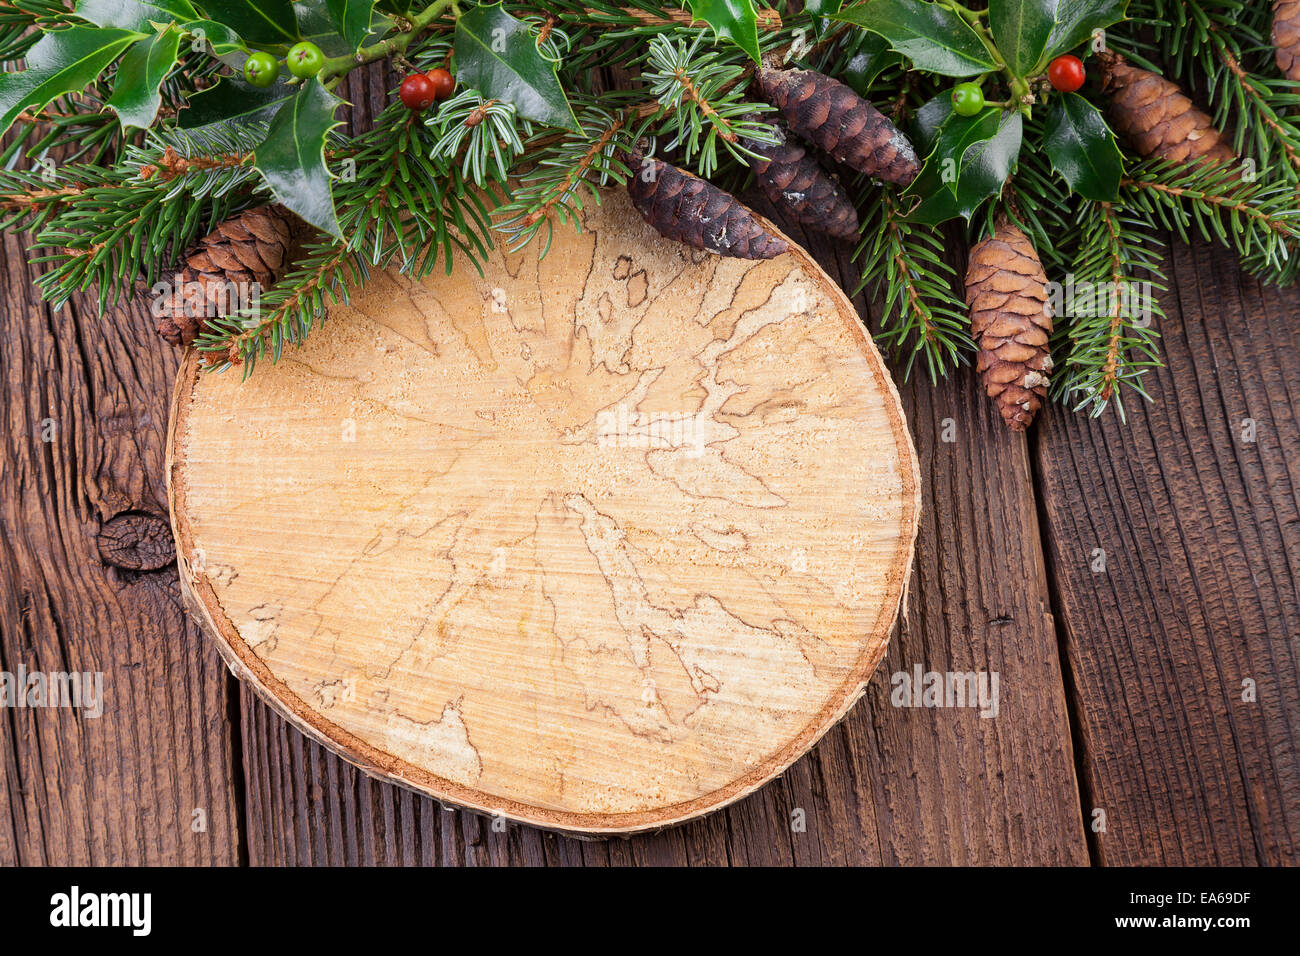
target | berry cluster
x=421, y=90
x=1065, y=73
x=304, y=59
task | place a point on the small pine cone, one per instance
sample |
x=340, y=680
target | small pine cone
x=1011, y=321
x=684, y=207
x=1157, y=118
x=1286, y=37
x=834, y=118
x=251, y=247
x=796, y=183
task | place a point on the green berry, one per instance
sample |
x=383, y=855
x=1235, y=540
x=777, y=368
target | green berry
x=305, y=59
x=967, y=99
x=261, y=69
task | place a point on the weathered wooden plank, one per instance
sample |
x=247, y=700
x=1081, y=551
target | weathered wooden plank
x=947, y=785
x=1200, y=529
x=86, y=584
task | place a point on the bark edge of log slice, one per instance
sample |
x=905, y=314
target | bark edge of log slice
x=600, y=543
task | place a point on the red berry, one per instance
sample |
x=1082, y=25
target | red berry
x=417, y=92
x=1066, y=73
x=443, y=83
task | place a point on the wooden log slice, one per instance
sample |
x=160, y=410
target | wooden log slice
x=599, y=542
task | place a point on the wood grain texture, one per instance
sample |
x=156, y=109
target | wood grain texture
x=946, y=786
x=1200, y=530
x=884, y=786
x=599, y=541
x=87, y=584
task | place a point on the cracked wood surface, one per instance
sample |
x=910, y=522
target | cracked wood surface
x=600, y=541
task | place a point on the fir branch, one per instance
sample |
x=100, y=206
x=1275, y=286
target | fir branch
x=904, y=264
x=23, y=22
x=551, y=188
x=1258, y=101
x=701, y=103
x=1220, y=51
x=1259, y=220
x=1107, y=309
x=29, y=199
x=487, y=135
x=72, y=129
x=286, y=314
x=121, y=226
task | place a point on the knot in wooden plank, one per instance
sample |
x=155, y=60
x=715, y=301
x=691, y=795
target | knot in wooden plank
x=136, y=541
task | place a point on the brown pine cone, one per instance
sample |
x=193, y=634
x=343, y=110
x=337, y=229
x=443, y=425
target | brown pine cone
x=1011, y=321
x=1286, y=37
x=834, y=118
x=796, y=183
x=219, y=269
x=684, y=207
x=1157, y=118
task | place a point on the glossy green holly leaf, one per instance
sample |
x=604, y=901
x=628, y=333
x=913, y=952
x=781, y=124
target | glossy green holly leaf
x=733, y=20
x=136, y=15
x=1020, y=30
x=145, y=65
x=1075, y=21
x=870, y=56
x=270, y=22
x=498, y=56
x=822, y=8
x=352, y=19
x=62, y=62
x=217, y=37
x=971, y=160
x=236, y=101
x=316, y=24
x=932, y=117
x=934, y=38
x=1082, y=148
x=292, y=157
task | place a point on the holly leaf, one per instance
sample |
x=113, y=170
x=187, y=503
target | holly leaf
x=498, y=56
x=217, y=36
x=137, y=15
x=270, y=22
x=986, y=163
x=316, y=24
x=352, y=18
x=934, y=38
x=1075, y=21
x=970, y=161
x=136, y=96
x=234, y=100
x=292, y=157
x=930, y=119
x=870, y=57
x=734, y=20
x=1082, y=148
x=1020, y=30
x=62, y=62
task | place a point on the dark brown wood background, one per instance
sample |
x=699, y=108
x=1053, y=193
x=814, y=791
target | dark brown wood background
x=1122, y=737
